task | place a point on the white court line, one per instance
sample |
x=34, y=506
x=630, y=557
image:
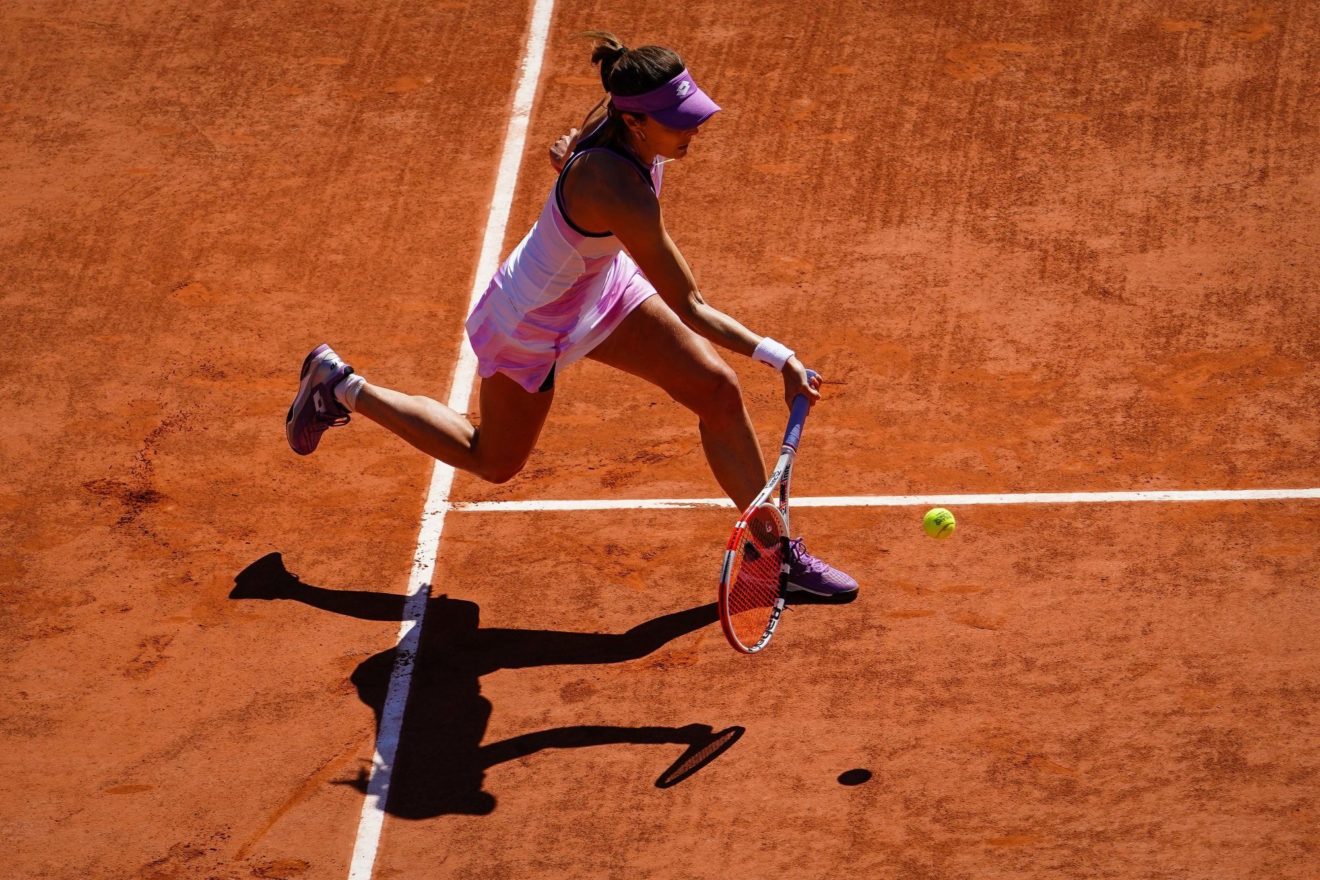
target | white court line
x=898, y=500
x=442, y=477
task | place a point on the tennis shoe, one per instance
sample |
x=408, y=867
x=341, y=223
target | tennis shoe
x=808, y=574
x=315, y=410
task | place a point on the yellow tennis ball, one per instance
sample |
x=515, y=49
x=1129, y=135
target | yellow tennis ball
x=938, y=523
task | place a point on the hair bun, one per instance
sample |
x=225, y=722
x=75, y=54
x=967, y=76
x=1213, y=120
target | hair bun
x=606, y=52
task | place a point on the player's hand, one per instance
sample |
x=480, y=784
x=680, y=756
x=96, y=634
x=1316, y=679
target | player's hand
x=796, y=382
x=560, y=149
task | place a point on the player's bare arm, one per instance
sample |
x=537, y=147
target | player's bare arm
x=609, y=195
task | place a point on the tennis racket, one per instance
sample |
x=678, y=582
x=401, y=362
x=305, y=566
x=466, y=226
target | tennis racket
x=754, y=577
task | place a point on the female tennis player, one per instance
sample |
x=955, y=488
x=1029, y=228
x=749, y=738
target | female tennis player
x=583, y=283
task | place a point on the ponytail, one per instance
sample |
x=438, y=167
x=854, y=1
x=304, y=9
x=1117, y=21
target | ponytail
x=605, y=53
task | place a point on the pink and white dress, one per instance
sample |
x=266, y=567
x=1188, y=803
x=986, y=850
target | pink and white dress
x=559, y=294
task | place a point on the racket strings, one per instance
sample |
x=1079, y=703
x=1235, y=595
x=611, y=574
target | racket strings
x=755, y=587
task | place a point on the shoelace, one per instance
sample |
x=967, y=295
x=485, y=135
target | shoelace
x=324, y=420
x=805, y=560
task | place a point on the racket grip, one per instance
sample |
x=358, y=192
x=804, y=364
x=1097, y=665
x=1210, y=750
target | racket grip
x=797, y=417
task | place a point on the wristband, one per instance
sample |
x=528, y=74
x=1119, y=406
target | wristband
x=769, y=351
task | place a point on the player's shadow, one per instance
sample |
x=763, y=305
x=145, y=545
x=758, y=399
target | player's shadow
x=441, y=762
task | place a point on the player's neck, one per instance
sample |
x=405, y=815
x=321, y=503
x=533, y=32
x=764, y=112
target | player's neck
x=638, y=148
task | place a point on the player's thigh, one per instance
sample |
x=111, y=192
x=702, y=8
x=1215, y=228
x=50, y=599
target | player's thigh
x=654, y=344
x=511, y=421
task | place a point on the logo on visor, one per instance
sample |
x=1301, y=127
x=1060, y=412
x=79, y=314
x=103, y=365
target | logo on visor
x=684, y=88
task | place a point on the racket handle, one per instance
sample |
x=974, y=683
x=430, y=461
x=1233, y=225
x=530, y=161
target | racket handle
x=797, y=417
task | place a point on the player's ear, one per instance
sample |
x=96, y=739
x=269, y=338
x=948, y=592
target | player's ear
x=636, y=124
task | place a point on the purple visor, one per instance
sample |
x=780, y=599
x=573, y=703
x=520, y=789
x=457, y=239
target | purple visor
x=679, y=103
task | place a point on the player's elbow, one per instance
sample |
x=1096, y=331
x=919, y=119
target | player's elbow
x=695, y=303
x=693, y=311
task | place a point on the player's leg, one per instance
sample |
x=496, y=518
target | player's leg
x=654, y=344
x=510, y=422
x=651, y=342
x=496, y=449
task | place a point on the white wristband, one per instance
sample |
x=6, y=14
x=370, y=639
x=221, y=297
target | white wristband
x=776, y=354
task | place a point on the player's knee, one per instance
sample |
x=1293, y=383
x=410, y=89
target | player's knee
x=715, y=394
x=493, y=463
x=501, y=471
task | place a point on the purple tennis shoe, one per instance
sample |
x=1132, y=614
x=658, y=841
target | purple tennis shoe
x=808, y=574
x=315, y=409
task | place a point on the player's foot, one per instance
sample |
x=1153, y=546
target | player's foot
x=315, y=409
x=809, y=575
x=267, y=578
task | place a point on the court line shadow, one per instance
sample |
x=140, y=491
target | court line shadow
x=441, y=761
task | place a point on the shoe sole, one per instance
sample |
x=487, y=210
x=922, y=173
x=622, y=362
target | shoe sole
x=794, y=588
x=304, y=392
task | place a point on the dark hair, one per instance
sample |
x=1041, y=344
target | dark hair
x=627, y=72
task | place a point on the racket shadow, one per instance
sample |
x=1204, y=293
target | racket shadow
x=441, y=762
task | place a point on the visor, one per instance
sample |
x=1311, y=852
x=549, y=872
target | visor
x=679, y=103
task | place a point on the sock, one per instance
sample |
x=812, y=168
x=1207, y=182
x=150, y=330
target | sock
x=346, y=391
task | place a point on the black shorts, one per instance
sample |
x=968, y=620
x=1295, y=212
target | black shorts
x=549, y=383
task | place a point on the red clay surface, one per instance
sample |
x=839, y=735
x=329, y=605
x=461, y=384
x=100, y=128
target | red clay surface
x=1033, y=247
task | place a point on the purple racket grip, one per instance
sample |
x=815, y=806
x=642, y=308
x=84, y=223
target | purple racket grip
x=797, y=417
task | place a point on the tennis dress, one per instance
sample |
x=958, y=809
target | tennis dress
x=559, y=294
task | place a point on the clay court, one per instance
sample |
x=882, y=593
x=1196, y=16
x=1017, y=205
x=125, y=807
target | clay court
x=1033, y=247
